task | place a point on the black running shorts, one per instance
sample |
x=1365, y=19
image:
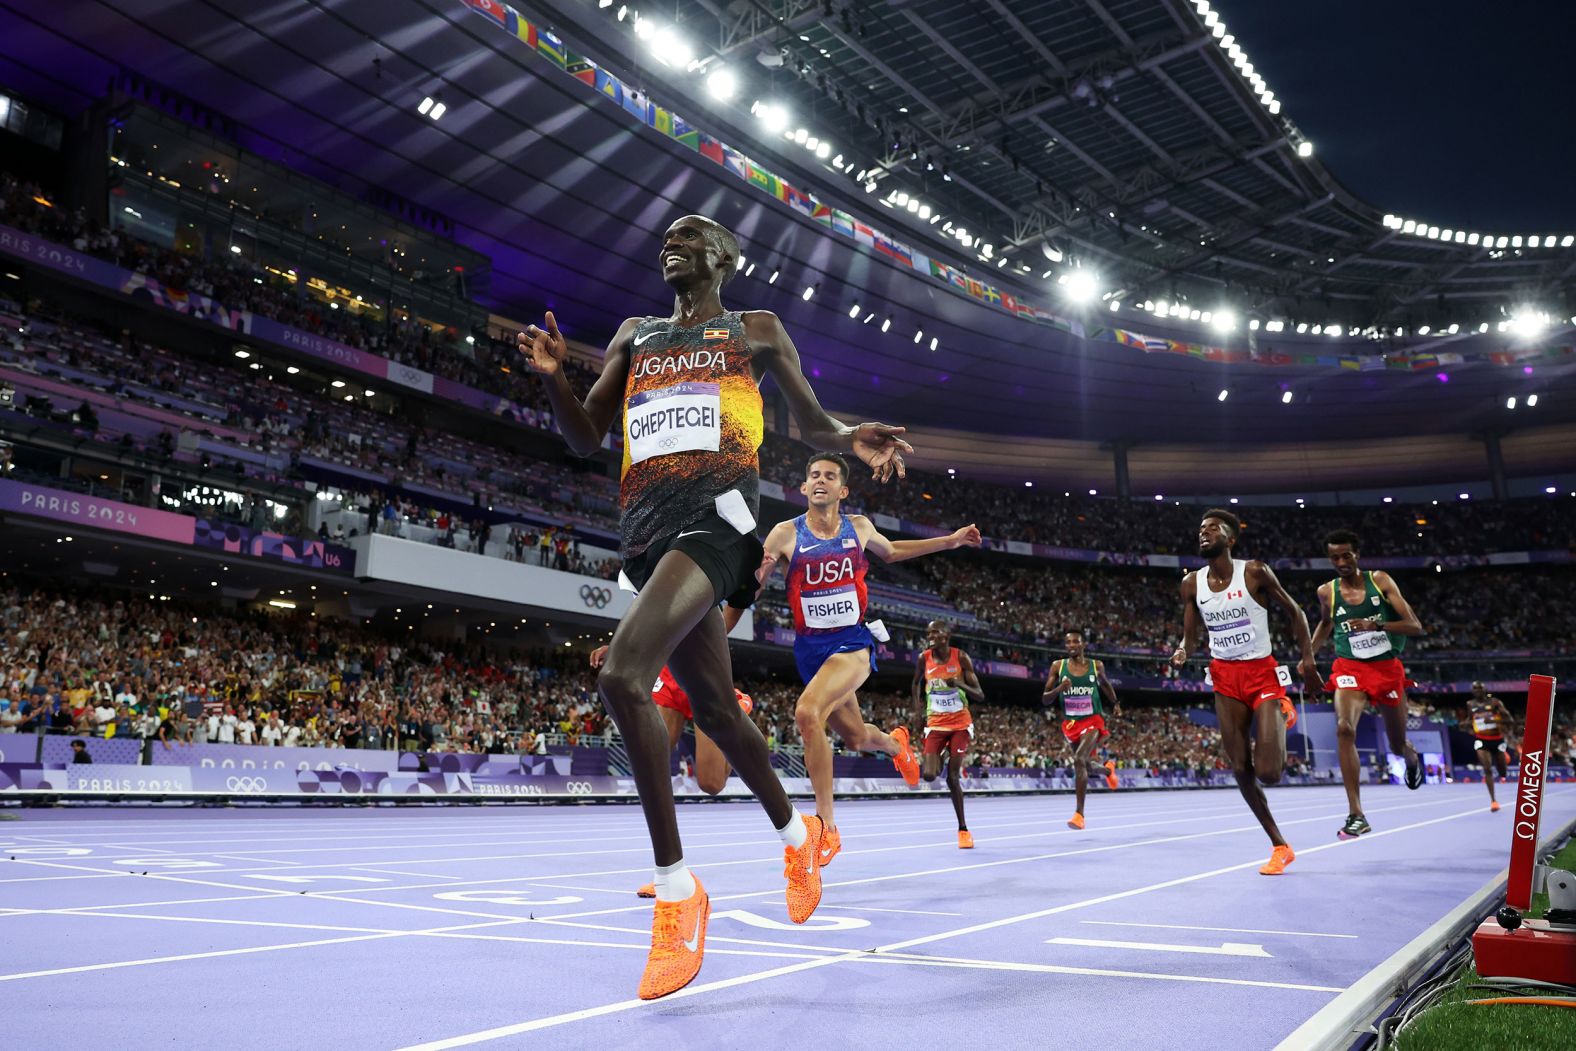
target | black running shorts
x=728, y=557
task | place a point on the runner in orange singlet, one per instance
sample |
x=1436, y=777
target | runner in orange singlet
x=944, y=684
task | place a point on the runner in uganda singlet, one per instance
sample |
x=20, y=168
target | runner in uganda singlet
x=692, y=429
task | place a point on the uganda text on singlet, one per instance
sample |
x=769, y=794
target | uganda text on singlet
x=692, y=429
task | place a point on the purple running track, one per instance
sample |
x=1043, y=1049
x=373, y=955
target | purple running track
x=518, y=926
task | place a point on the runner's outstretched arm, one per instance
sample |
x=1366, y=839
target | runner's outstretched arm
x=877, y=444
x=581, y=423
x=890, y=551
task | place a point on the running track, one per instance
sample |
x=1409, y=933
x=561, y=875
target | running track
x=518, y=926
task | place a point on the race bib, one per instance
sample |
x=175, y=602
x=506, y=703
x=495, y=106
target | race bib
x=686, y=417
x=1080, y=706
x=837, y=608
x=1366, y=644
x=948, y=700
x=1283, y=675
x=1484, y=724
x=1346, y=682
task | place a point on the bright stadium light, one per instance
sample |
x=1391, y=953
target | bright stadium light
x=426, y=104
x=1224, y=321
x=772, y=115
x=1305, y=148
x=1286, y=398
x=853, y=311
x=438, y=109
x=1223, y=395
x=1082, y=286
x=722, y=84
x=1527, y=323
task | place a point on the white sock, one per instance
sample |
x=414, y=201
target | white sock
x=675, y=882
x=794, y=833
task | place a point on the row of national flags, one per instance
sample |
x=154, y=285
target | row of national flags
x=665, y=122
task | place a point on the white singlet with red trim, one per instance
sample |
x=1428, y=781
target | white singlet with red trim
x=1239, y=628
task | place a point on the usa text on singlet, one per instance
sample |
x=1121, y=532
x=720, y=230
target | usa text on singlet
x=826, y=579
x=692, y=429
x=1239, y=628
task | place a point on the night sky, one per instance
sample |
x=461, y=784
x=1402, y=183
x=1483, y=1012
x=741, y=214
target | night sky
x=1461, y=113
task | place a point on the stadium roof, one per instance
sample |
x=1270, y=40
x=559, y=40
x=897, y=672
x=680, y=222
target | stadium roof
x=1098, y=142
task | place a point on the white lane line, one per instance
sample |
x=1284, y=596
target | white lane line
x=1227, y=930
x=1223, y=949
x=748, y=979
x=900, y=912
x=1052, y=968
x=84, y=968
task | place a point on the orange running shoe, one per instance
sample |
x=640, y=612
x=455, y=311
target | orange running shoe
x=1280, y=857
x=904, y=760
x=648, y=891
x=678, y=940
x=746, y=703
x=801, y=865
x=965, y=839
x=1076, y=821
x=1110, y=775
x=1493, y=806
x=831, y=843
x=1290, y=710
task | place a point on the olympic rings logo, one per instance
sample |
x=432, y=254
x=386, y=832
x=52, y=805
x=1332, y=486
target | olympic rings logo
x=669, y=443
x=595, y=597
x=578, y=788
x=246, y=784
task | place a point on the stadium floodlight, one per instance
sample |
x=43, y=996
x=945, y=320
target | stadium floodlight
x=1223, y=395
x=886, y=325
x=1533, y=241
x=1528, y=323
x=243, y=354
x=935, y=341
x=1302, y=328
x=812, y=144
x=1515, y=241
x=1275, y=106
x=1332, y=330
x=1116, y=304
x=1286, y=397
x=1423, y=330
x=722, y=84
x=1253, y=324
x=1433, y=233
x=800, y=135
x=919, y=334
x=809, y=290
x=823, y=151
x=1510, y=402
x=775, y=275
x=1472, y=239
x=426, y=104
x=913, y=204
x=1082, y=286
x=670, y=48
x=1567, y=240
x=924, y=211
x=772, y=115
x=853, y=311
x=1410, y=226
x=1305, y=148
x=1532, y=401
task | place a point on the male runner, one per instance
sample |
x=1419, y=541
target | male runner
x=1370, y=621
x=944, y=684
x=1079, y=683
x=688, y=389
x=711, y=766
x=1229, y=598
x=826, y=553
x=1491, y=721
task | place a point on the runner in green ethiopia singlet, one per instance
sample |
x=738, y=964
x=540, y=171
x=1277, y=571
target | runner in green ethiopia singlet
x=1364, y=645
x=1081, y=698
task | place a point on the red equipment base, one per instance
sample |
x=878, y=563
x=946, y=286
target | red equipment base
x=1530, y=951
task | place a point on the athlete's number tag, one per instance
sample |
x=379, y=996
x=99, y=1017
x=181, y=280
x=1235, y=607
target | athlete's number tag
x=836, y=608
x=1369, y=644
x=1346, y=682
x=1283, y=675
x=946, y=700
x=1485, y=724
x=685, y=417
x=1080, y=705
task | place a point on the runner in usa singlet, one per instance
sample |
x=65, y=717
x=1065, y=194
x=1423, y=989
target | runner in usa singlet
x=826, y=579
